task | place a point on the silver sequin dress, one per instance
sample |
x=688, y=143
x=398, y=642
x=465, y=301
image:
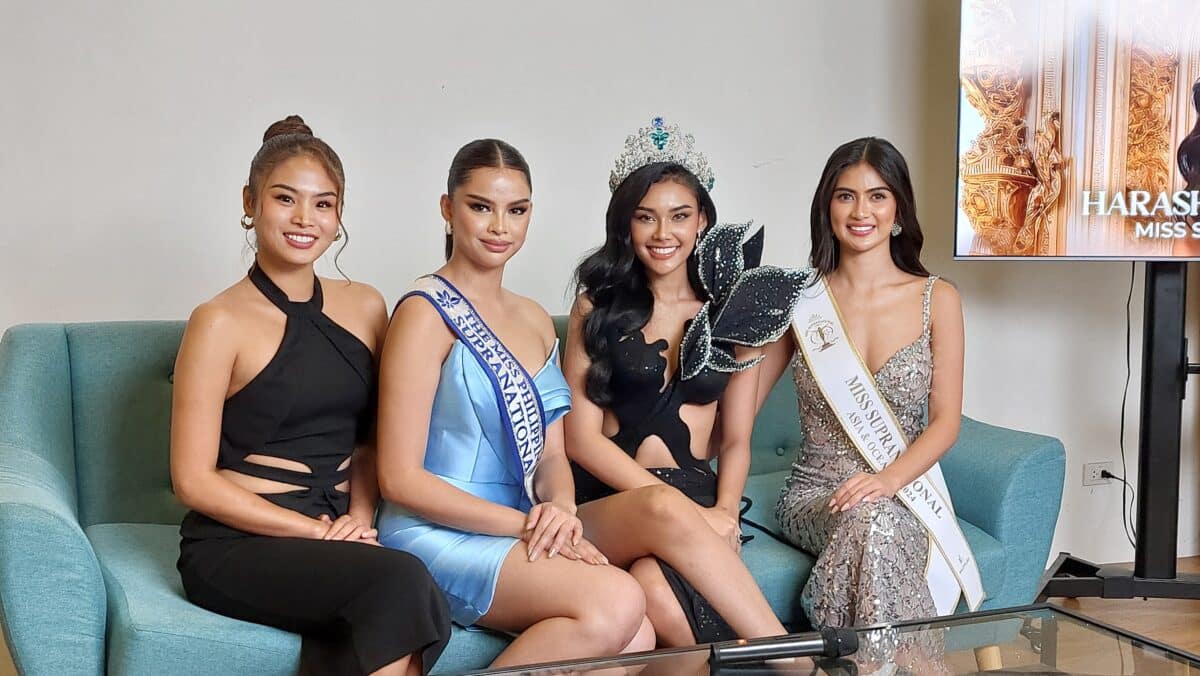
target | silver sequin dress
x=871, y=559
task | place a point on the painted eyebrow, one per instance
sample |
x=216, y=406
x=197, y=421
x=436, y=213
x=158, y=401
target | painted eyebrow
x=481, y=198
x=288, y=187
x=678, y=208
x=877, y=188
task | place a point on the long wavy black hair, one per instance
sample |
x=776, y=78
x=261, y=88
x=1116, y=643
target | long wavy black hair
x=613, y=279
x=883, y=157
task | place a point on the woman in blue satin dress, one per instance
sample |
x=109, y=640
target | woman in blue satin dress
x=471, y=460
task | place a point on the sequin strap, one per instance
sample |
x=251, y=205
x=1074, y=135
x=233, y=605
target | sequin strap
x=517, y=398
x=926, y=306
x=852, y=394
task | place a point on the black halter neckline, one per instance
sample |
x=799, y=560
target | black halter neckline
x=280, y=299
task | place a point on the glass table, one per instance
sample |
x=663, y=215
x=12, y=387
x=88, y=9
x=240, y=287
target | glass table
x=1038, y=639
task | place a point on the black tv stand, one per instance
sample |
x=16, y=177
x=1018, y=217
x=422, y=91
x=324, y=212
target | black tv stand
x=1164, y=373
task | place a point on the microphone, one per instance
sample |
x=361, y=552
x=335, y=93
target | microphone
x=829, y=642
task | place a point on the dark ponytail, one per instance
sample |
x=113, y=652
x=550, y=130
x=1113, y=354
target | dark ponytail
x=479, y=154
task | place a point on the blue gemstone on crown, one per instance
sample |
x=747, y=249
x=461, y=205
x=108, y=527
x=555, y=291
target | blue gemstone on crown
x=660, y=142
x=659, y=137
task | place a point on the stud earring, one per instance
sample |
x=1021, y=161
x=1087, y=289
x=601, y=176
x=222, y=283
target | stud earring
x=247, y=221
x=896, y=229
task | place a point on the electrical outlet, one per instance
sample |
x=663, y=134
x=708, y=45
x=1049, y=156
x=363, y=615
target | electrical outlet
x=1091, y=473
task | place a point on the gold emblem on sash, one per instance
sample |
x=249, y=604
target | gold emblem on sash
x=821, y=333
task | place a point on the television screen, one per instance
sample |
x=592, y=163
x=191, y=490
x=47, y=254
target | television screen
x=1078, y=133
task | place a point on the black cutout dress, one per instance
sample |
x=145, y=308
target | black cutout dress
x=357, y=606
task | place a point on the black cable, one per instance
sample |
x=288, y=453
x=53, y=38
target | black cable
x=1126, y=521
x=747, y=503
x=1105, y=474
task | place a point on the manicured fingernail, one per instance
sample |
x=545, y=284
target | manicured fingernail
x=553, y=551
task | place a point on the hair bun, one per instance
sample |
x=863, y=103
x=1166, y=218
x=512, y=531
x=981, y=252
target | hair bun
x=292, y=124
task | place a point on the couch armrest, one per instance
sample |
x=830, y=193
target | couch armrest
x=1009, y=484
x=52, y=597
x=35, y=396
x=52, y=594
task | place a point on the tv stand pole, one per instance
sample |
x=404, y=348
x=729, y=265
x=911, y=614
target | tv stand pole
x=1164, y=373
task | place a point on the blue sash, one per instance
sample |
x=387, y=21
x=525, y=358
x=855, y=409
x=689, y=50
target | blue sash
x=517, y=398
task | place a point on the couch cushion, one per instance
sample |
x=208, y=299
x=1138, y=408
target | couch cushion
x=779, y=568
x=989, y=555
x=781, y=571
x=763, y=491
x=777, y=434
x=121, y=393
x=154, y=629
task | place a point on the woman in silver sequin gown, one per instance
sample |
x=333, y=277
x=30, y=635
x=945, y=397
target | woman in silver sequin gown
x=871, y=550
x=872, y=556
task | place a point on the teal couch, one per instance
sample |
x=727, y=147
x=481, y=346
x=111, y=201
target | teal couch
x=88, y=522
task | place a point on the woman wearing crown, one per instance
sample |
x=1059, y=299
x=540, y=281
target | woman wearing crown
x=670, y=313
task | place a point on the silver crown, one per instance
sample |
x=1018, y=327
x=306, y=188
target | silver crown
x=660, y=142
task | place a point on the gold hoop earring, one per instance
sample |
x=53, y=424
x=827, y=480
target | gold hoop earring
x=338, y=236
x=247, y=221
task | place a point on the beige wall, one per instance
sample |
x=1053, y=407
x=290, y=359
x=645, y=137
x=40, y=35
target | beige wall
x=135, y=123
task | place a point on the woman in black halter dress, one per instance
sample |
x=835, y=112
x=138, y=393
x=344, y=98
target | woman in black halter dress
x=272, y=434
x=668, y=311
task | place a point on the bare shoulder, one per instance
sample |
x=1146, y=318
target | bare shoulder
x=945, y=294
x=225, y=313
x=214, y=331
x=357, y=296
x=417, y=312
x=212, y=317
x=945, y=310
x=418, y=326
x=534, y=315
x=582, y=307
